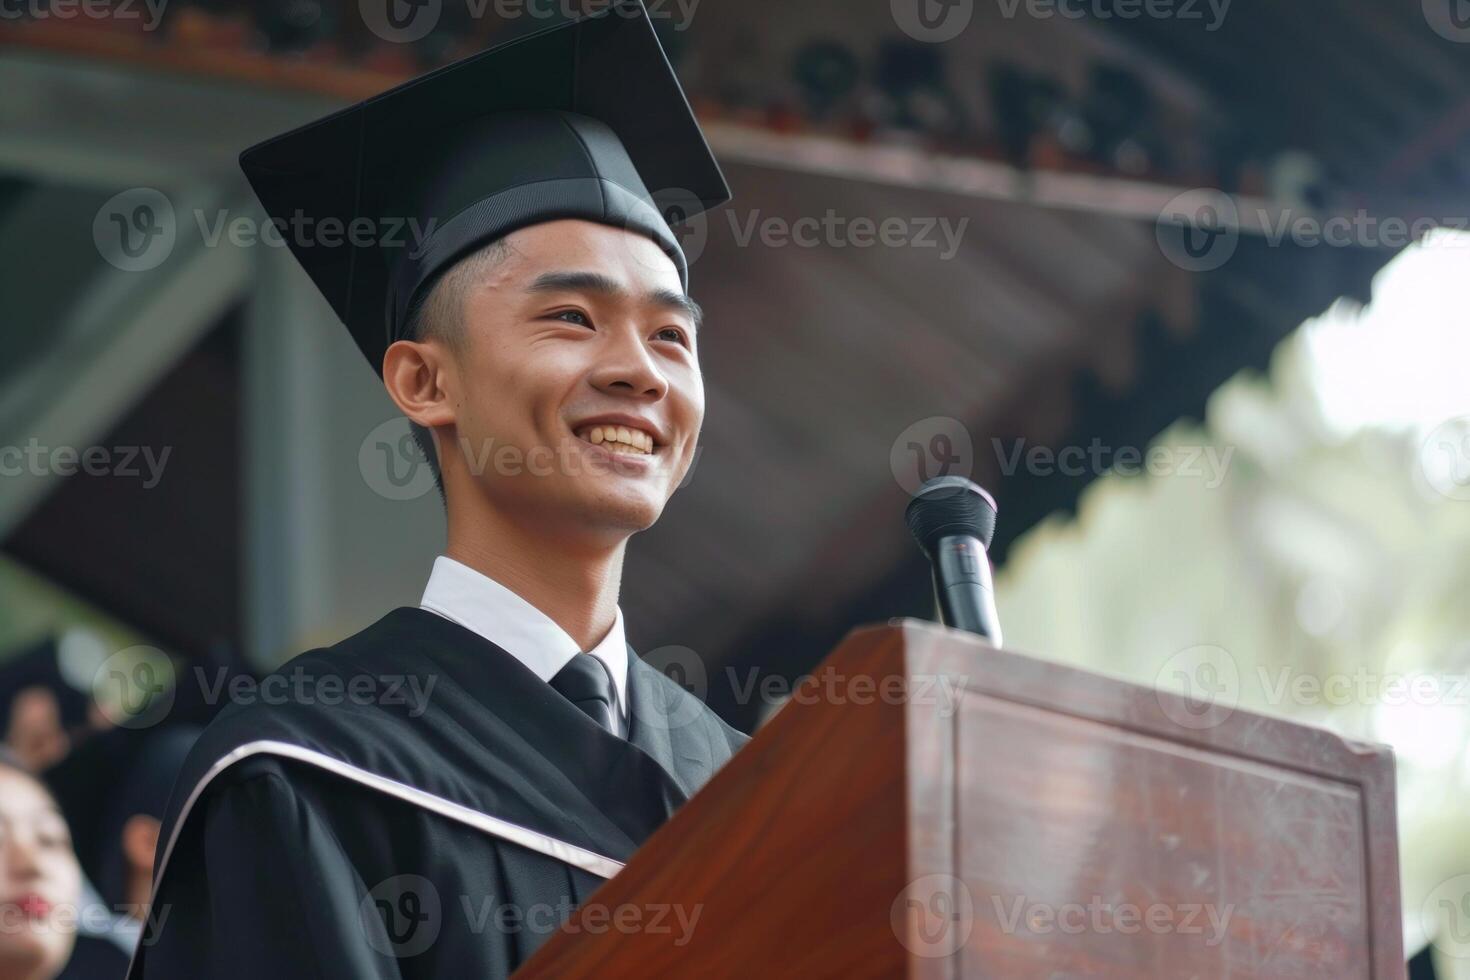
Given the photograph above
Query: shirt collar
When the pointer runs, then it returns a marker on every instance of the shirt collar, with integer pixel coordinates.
(482, 605)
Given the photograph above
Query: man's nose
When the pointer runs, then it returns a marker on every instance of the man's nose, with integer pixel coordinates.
(628, 368)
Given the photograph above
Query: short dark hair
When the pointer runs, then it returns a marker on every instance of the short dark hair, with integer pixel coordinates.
(435, 314)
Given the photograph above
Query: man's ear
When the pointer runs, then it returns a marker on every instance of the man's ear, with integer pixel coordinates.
(419, 376)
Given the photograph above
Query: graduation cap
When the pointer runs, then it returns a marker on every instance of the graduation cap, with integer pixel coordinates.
(581, 118)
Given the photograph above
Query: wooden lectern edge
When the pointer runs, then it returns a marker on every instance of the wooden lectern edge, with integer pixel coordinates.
(1151, 723)
(1308, 749)
(1029, 680)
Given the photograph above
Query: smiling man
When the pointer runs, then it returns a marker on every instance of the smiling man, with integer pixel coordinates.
(541, 338)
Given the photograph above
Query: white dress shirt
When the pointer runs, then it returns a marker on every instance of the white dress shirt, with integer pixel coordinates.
(484, 606)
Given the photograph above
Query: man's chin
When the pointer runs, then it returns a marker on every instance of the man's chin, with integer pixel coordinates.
(627, 517)
(618, 509)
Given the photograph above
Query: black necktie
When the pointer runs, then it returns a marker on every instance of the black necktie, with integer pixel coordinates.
(586, 682)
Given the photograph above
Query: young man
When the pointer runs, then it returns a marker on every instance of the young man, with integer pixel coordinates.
(448, 825)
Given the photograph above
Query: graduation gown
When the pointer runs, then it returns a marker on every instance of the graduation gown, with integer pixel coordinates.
(382, 836)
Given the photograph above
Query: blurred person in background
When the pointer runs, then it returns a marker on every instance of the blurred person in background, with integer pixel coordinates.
(42, 879)
(134, 816)
(35, 734)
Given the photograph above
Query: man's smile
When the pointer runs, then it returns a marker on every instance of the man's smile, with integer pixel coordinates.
(619, 439)
(625, 435)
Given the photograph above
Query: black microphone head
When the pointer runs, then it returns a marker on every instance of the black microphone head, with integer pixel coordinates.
(948, 505)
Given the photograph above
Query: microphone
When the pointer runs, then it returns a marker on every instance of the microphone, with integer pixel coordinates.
(954, 520)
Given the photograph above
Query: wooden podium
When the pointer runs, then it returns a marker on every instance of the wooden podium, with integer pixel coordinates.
(929, 806)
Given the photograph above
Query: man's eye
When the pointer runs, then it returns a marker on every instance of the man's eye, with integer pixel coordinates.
(671, 333)
(573, 316)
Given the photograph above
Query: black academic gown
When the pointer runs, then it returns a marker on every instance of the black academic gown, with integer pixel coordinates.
(353, 840)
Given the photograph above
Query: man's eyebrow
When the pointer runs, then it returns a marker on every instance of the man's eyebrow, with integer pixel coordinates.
(596, 282)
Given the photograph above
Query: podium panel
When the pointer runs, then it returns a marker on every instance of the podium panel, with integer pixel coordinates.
(930, 806)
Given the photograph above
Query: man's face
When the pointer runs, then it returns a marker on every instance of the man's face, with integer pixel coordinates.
(577, 389)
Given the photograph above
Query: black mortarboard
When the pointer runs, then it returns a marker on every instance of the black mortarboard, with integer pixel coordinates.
(583, 118)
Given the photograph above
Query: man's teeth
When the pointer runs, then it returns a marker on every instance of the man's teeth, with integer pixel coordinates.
(619, 439)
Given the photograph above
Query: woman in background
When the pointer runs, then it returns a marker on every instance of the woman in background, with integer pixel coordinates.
(39, 878)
